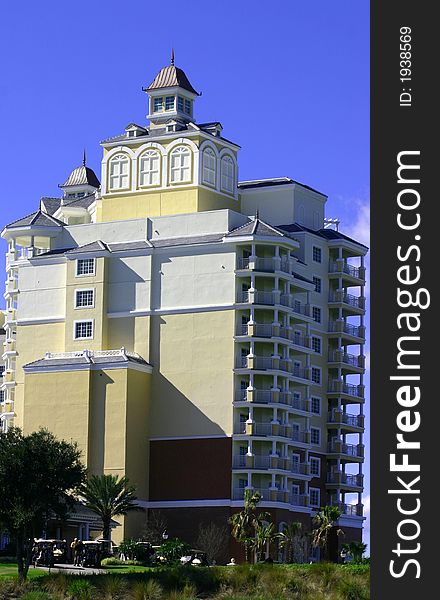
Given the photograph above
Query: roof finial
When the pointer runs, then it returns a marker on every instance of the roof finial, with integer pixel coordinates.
(84, 157)
(257, 215)
(172, 56)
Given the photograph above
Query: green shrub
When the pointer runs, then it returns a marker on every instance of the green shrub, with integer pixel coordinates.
(173, 550)
(80, 589)
(352, 589)
(116, 562)
(146, 590)
(56, 584)
(114, 587)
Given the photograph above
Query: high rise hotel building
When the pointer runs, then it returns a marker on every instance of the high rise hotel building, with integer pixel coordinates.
(199, 334)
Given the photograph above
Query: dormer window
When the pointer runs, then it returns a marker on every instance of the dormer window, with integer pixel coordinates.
(158, 104)
(180, 103)
(169, 103)
(187, 106)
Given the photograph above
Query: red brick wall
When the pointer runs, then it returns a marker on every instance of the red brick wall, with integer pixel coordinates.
(193, 469)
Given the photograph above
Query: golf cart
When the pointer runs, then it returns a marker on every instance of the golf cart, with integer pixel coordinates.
(46, 553)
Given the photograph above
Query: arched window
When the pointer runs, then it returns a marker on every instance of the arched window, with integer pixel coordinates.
(149, 168)
(180, 164)
(119, 172)
(227, 167)
(209, 166)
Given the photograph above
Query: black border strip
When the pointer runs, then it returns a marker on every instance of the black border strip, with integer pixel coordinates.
(401, 124)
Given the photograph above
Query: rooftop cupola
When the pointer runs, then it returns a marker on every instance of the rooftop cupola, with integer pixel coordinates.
(82, 181)
(171, 96)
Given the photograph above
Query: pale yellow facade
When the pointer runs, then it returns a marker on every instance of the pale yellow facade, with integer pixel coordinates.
(166, 306)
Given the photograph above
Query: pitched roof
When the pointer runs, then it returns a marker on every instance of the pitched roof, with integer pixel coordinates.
(37, 219)
(171, 76)
(331, 234)
(49, 205)
(328, 234)
(256, 227)
(82, 175)
(97, 246)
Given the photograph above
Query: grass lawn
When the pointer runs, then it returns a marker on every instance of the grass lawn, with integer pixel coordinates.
(10, 570)
(245, 582)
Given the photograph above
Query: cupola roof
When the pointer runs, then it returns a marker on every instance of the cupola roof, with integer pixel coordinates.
(169, 77)
(82, 175)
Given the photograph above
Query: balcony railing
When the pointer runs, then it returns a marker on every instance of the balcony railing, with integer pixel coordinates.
(349, 299)
(272, 429)
(344, 267)
(336, 416)
(344, 357)
(345, 479)
(266, 462)
(338, 386)
(348, 328)
(352, 510)
(336, 446)
(274, 397)
(269, 330)
(276, 495)
(272, 363)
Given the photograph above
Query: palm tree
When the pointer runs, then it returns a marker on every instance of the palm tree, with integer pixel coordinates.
(108, 496)
(355, 550)
(324, 522)
(264, 534)
(293, 541)
(244, 521)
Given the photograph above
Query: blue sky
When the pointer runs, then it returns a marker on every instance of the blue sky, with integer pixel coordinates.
(289, 80)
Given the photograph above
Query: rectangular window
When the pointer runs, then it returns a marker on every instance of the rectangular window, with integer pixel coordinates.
(315, 466)
(318, 284)
(180, 103)
(83, 330)
(315, 406)
(187, 106)
(84, 298)
(85, 266)
(158, 104)
(315, 497)
(316, 314)
(315, 436)
(316, 375)
(317, 254)
(316, 344)
(295, 489)
(169, 103)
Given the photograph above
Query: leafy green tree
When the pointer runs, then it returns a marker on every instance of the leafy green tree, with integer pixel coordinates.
(39, 475)
(354, 550)
(323, 522)
(108, 496)
(244, 522)
(172, 551)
